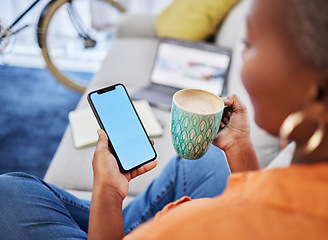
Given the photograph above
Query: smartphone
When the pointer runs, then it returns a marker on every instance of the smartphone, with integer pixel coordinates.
(116, 115)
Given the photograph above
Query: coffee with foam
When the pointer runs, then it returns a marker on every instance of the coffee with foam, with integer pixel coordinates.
(195, 121)
(198, 101)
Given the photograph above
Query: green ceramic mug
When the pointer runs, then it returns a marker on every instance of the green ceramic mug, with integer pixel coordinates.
(195, 121)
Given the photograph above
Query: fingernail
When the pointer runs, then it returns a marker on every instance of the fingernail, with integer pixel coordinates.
(99, 132)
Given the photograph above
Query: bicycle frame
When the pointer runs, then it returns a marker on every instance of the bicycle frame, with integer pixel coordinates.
(6, 32)
(89, 42)
(21, 16)
(42, 30)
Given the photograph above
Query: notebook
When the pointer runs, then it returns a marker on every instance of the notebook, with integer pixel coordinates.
(84, 124)
(181, 64)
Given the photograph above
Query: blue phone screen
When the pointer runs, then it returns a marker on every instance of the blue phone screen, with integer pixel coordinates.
(123, 127)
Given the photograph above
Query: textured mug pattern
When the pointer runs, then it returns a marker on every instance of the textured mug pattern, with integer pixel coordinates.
(192, 134)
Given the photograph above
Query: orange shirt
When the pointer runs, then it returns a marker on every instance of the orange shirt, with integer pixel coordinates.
(289, 203)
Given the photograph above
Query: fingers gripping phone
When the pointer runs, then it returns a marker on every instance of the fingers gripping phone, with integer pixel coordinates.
(127, 136)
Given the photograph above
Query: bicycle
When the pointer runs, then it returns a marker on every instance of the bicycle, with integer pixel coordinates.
(55, 46)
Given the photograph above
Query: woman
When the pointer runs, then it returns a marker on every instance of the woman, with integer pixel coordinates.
(286, 74)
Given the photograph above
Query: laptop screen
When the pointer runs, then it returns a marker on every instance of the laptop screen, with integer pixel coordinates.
(184, 64)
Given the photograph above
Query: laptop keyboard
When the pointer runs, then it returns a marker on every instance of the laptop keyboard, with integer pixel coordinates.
(162, 89)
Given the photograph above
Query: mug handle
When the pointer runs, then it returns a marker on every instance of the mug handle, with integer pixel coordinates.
(225, 111)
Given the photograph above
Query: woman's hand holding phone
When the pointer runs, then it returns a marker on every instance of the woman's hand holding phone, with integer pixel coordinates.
(107, 172)
(110, 187)
(116, 115)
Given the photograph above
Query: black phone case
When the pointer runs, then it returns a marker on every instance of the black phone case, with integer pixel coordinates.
(107, 89)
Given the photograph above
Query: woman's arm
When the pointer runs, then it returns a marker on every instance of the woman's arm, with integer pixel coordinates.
(235, 139)
(106, 220)
(241, 156)
(110, 187)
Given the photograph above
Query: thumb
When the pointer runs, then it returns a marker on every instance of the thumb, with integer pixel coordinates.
(102, 140)
(235, 103)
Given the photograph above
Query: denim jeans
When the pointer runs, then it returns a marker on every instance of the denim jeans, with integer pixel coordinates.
(33, 209)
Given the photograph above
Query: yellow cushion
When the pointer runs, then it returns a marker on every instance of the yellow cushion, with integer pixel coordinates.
(192, 19)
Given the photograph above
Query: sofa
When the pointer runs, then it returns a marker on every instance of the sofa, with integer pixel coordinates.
(129, 61)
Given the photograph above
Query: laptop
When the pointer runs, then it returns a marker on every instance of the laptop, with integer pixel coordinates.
(181, 64)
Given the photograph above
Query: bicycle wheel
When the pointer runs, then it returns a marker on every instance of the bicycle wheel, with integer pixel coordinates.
(66, 38)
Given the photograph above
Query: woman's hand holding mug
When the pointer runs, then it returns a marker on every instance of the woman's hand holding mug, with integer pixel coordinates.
(200, 118)
(236, 124)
